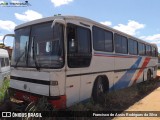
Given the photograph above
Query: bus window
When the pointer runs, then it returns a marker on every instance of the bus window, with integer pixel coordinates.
(98, 39)
(132, 47)
(153, 51)
(2, 62)
(108, 41)
(148, 50)
(102, 40)
(83, 37)
(120, 44)
(79, 46)
(20, 47)
(6, 62)
(124, 45)
(46, 46)
(141, 49)
(72, 42)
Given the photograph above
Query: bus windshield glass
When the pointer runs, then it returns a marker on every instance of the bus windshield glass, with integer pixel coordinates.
(39, 46)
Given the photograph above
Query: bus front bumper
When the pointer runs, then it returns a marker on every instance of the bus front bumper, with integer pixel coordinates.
(58, 102)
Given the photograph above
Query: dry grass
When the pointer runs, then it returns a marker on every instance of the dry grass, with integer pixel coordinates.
(119, 100)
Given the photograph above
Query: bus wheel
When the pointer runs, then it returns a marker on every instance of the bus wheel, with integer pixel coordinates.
(149, 75)
(98, 90)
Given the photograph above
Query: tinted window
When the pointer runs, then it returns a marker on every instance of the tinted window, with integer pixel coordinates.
(102, 40)
(124, 45)
(98, 39)
(141, 49)
(153, 51)
(46, 46)
(20, 47)
(148, 50)
(79, 46)
(6, 62)
(83, 36)
(2, 62)
(132, 47)
(108, 41)
(120, 44)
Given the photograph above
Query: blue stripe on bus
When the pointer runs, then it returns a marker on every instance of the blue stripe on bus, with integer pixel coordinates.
(126, 78)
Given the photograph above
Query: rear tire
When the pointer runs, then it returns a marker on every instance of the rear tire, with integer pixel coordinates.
(149, 75)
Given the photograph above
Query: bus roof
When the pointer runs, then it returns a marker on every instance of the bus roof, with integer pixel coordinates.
(3, 53)
(81, 19)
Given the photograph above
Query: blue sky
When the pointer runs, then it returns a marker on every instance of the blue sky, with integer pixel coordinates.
(139, 18)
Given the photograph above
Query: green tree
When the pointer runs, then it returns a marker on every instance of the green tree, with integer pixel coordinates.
(2, 45)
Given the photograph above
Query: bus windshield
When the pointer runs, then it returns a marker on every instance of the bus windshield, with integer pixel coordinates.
(39, 46)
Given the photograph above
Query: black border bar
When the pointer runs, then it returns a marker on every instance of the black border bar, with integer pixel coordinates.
(44, 82)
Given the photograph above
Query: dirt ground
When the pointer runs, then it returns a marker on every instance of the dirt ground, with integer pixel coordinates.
(149, 103)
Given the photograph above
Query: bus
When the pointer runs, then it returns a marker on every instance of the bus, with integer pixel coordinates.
(4, 66)
(69, 59)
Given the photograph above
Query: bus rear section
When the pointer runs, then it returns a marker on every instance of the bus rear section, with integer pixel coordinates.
(4, 66)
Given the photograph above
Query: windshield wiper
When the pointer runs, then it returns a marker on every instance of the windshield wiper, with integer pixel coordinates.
(23, 53)
(34, 56)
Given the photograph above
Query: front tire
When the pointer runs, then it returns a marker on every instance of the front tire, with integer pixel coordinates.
(98, 90)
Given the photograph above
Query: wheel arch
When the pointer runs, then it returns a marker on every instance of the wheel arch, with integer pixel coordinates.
(105, 81)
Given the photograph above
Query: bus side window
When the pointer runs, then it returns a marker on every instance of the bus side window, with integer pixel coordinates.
(72, 42)
(2, 62)
(6, 61)
(79, 46)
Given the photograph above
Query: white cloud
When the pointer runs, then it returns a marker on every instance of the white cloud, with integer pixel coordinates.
(1, 37)
(153, 39)
(28, 15)
(107, 23)
(7, 25)
(159, 49)
(131, 27)
(58, 3)
(1, 2)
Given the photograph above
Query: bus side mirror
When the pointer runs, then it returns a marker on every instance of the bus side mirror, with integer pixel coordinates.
(60, 21)
(10, 35)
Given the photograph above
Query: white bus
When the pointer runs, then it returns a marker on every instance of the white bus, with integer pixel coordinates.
(4, 66)
(69, 59)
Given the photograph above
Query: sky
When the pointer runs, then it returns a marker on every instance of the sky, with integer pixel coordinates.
(139, 18)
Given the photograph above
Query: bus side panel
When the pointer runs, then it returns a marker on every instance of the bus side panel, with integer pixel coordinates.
(141, 73)
(72, 86)
(121, 80)
(59, 89)
(153, 64)
(138, 77)
(87, 82)
(110, 76)
(125, 69)
(103, 63)
(145, 74)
